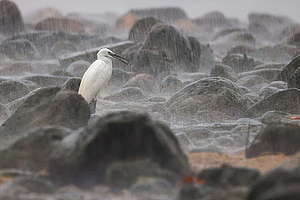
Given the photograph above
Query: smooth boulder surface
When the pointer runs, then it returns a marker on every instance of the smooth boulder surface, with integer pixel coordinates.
(141, 28)
(31, 151)
(46, 106)
(278, 184)
(11, 21)
(208, 94)
(228, 176)
(123, 136)
(285, 100)
(11, 90)
(280, 134)
(175, 45)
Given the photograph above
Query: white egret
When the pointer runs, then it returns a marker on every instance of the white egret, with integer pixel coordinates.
(97, 76)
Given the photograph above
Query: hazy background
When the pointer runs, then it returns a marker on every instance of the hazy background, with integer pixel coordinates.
(194, 8)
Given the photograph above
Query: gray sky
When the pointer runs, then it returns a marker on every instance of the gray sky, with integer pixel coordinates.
(194, 8)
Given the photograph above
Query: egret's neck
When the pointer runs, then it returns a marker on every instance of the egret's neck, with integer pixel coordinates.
(105, 59)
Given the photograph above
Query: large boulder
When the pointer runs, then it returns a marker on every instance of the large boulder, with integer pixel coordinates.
(279, 135)
(290, 73)
(31, 151)
(46, 106)
(228, 176)
(166, 49)
(285, 100)
(11, 21)
(209, 94)
(85, 156)
(11, 90)
(60, 24)
(141, 28)
(278, 184)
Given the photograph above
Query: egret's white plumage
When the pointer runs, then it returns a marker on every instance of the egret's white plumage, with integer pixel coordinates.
(97, 76)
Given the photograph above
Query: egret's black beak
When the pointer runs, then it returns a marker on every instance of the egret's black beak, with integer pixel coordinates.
(122, 59)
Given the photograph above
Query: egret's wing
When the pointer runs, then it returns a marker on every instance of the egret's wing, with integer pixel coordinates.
(94, 79)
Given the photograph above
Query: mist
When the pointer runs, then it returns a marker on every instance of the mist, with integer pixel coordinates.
(231, 8)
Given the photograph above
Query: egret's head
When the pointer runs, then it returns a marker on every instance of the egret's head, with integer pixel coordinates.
(105, 52)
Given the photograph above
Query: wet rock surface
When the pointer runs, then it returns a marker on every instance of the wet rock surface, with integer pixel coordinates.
(85, 151)
(197, 93)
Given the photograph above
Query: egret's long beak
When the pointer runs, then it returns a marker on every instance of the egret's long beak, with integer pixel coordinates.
(122, 59)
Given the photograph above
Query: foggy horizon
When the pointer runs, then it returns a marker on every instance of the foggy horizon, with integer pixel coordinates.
(231, 8)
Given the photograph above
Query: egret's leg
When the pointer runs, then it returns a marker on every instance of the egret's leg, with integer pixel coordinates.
(92, 106)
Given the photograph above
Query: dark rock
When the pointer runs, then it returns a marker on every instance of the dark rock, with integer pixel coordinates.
(170, 84)
(11, 90)
(127, 94)
(47, 106)
(225, 71)
(11, 21)
(78, 68)
(46, 80)
(176, 46)
(285, 100)
(288, 72)
(239, 63)
(279, 135)
(124, 136)
(154, 62)
(19, 49)
(278, 184)
(90, 55)
(72, 84)
(31, 150)
(211, 94)
(141, 28)
(60, 24)
(145, 82)
(227, 176)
